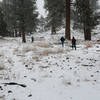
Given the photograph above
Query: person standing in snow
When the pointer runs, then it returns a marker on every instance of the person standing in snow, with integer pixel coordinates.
(32, 39)
(62, 41)
(73, 43)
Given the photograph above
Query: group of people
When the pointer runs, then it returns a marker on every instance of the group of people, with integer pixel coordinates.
(73, 40)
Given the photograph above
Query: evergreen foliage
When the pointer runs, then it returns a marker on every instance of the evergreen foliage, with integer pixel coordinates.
(3, 25)
(20, 14)
(85, 16)
(56, 12)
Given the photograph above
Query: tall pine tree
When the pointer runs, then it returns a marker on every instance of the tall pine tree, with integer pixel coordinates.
(22, 16)
(86, 16)
(67, 29)
(3, 25)
(55, 16)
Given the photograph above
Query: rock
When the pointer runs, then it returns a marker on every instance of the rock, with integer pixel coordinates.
(29, 68)
(70, 68)
(97, 71)
(30, 95)
(97, 46)
(69, 83)
(1, 88)
(98, 50)
(92, 75)
(9, 91)
(50, 71)
(33, 79)
(84, 65)
(81, 59)
(78, 80)
(78, 57)
(44, 66)
(62, 68)
(67, 58)
(26, 65)
(46, 61)
(98, 40)
(87, 65)
(70, 97)
(25, 76)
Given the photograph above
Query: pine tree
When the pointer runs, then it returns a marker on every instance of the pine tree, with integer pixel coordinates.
(67, 31)
(22, 16)
(86, 16)
(26, 16)
(27, 9)
(55, 16)
(3, 25)
(93, 4)
(6, 10)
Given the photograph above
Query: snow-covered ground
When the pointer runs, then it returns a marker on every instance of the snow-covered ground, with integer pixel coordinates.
(44, 70)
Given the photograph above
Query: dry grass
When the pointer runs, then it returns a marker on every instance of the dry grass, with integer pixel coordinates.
(35, 58)
(1, 54)
(2, 68)
(2, 97)
(39, 39)
(88, 45)
(28, 49)
(10, 60)
(67, 83)
(86, 80)
(46, 76)
(42, 45)
(49, 51)
(16, 50)
(40, 53)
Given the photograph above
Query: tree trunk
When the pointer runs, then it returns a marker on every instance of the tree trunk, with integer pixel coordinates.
(23, 23)
(53, 29)
(87, 30)
(23, 37)
(87, 33)
(67, 30)
(19, 33)
(15, 33)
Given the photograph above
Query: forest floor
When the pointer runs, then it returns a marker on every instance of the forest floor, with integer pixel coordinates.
(44, 70)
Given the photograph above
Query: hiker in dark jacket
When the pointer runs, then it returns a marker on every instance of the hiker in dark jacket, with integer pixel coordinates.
(73, 43)
(32, 39)
(62, 41)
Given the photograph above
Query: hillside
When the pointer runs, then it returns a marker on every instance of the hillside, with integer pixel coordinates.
(44, 70)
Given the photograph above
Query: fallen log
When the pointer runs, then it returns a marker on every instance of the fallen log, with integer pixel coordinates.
(13, 83)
